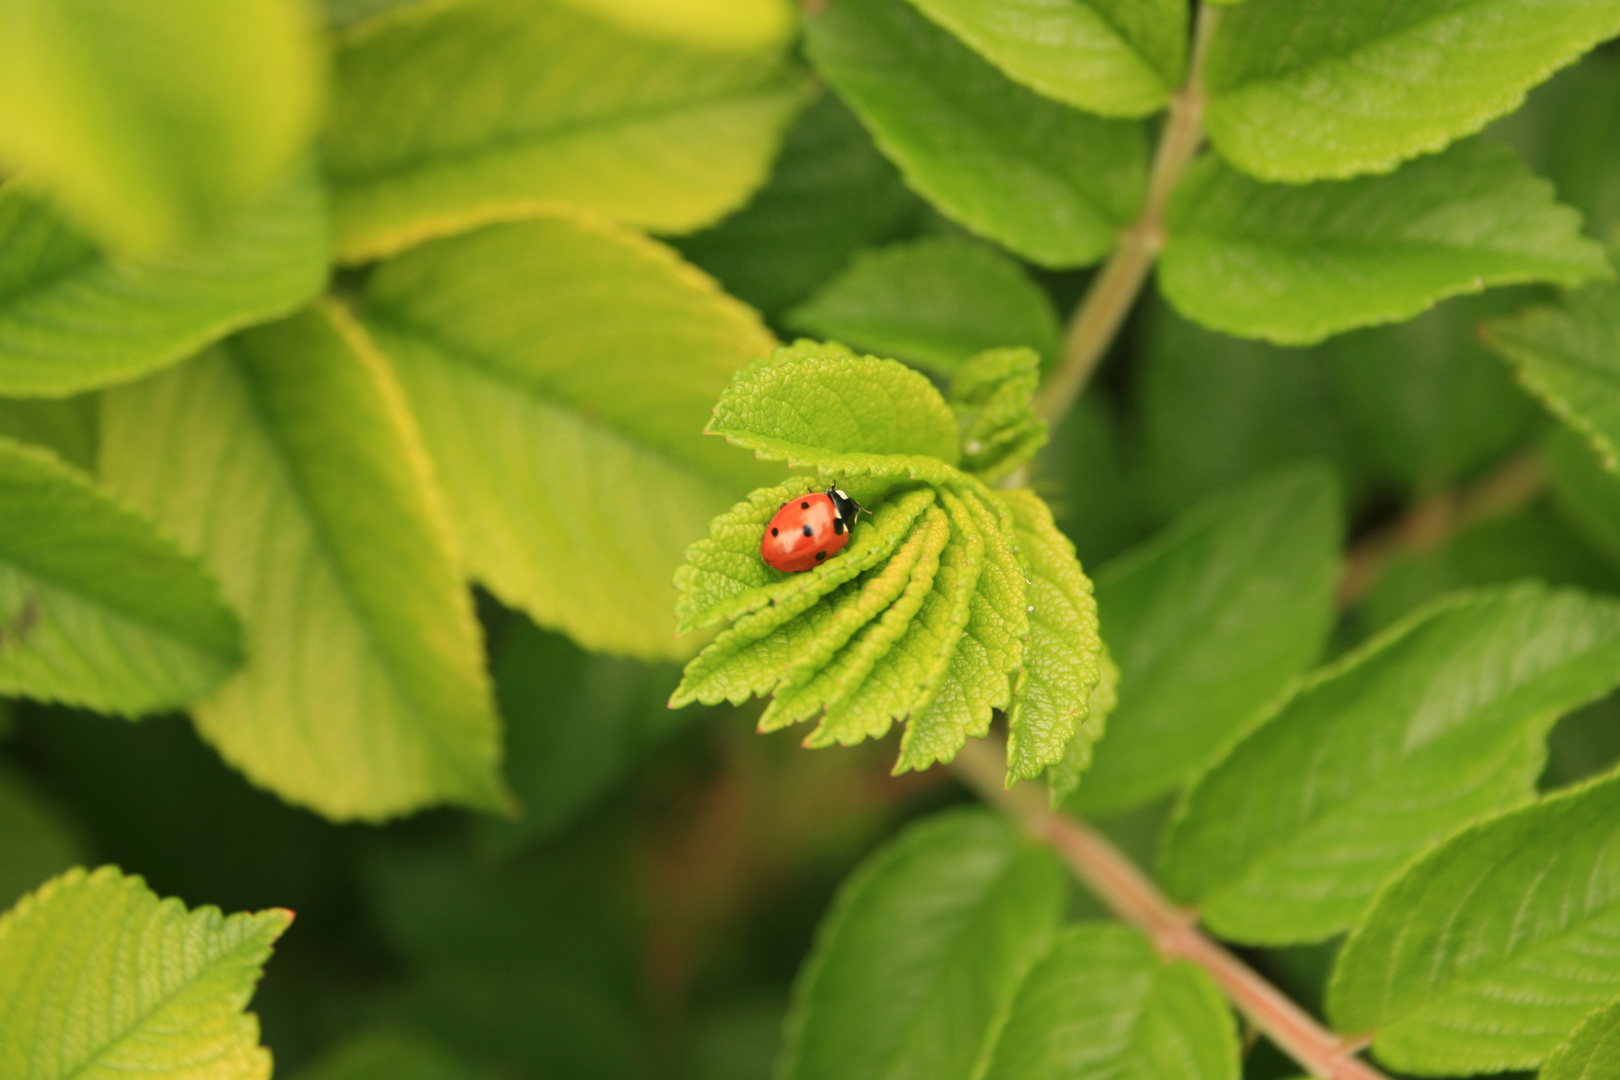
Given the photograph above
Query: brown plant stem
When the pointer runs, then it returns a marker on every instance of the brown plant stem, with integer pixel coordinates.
(1430, 522)
(1129, 894)
(1097, 320)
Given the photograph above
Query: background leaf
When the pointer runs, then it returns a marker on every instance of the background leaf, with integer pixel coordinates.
(1569, 357)
(924, 946)
(288, 462)
(719, 25)
(568, 431)
(1584, 492)
(97, 608)
(1487, 953)
(68, 427)
(1427, 728)
(1312, 89)
(1100, 1005)
(149, 146)
(1049, 183)
(388, 1055)
(72, 318)
(425, 141)
(933, 302)
(35, 843)
(98, 976)
(1208, 622)
(1592, 1053)
(1296, 264)
(1102, 56)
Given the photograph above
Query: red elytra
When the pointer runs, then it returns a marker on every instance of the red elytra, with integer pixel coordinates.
(808, 531)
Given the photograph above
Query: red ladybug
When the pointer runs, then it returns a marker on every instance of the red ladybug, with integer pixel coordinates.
(808, 531)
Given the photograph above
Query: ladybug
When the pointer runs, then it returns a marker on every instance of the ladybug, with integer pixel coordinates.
(809, 530)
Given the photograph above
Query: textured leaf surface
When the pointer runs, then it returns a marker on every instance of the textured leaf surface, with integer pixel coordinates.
(35, 844)
(152, 144)
(101, 979)
(933, 302)
(1064, 775)
(1569, 357)
(991, 395)
(567, 431)
(287, 460)
(830, 194)
(450, 116)
(73, 318)
(1111, 57)
(1592, 1053)
(813, 406)
(1296, 264)
(1208, 622)
(1308, 89)
(923, 947)
(1485, 955)
(1100, 1005)
(1063, 656)
(1043, 180)
(1383, 755)
(96, 607)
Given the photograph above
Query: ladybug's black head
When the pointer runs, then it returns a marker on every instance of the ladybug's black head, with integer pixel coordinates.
(847, 507)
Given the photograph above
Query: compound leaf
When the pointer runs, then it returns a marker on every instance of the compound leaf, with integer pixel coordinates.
(1296, 264)
(72, 318)
(1101, 1005)
(1382, 755)
(1313, 89)
(287, 460)
(568, 432)
(933, 302)
(451, 116)
(1569, 357)
(1049, 183)
(1208, 622)
(1488, 952)
(924, 945)
(100, 978)
(1593, 1052)
(97, 608)
(149, 146)
(1111, 57)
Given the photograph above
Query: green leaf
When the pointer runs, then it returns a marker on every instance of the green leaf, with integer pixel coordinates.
(1429, 403)
(1112, 57)
(1311, 89)
(1064, 775)
(933, 302)
(830, 194)
(1530, 544)
(1216, 411)
(1585, 494)
(97, 608)
(1049, 183)
(923, 948)
(66, 427)
(818, 406)
(1592, 1053)
(1049, 721)
(72, 318)
(717, 25)
(991, 395)
(1100, 1005)
(382, 1054)
(34, 842)
(567, 431)
(1569, 358)
(1294, 265)
(288, 462)
(98, 977)
(575, 723)
(1208, 622)
(561, 110)
(1382, 755)
(1485, 954)
(147, 146)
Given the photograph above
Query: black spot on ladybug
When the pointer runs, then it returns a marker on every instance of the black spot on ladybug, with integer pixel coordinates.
(808, 531)
(820, 555)
(838, 526)
(773, 532)
(804, 506)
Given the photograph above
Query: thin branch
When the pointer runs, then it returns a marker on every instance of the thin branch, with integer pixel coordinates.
(1097, 320)
(1429, 523)
(1129, 894)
